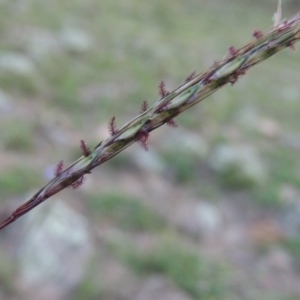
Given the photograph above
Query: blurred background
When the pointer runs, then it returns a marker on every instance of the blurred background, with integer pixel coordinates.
(211, 211)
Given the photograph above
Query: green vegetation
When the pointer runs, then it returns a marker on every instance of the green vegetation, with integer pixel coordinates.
(15, 181)
(293, 246)
(18, 136)
(89, 287)
(201, 278)
(182, 165)
(128, 212)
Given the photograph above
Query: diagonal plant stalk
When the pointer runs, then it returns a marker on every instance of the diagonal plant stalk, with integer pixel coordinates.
(195, 89)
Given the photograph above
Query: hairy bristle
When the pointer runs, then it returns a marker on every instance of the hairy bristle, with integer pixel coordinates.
(112, 127)
(232, 51)
(76, 184)
(59, 168)
(164, 105)
(144, 106)
(172, 123)
(142, 139)
(84, 148)
(257, 34)
(162, 90)
(191, 76)
(236, 76)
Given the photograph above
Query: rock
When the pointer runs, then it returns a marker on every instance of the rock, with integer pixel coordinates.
(290, 220)
(197, 219)
(269, 128)
(279, 260)
(42, 43)
(159, 288)
(55, 249)
(5, 102)
(209, 217)
(16, 63)
(238, 165)
(149, 161)
(187, 142)
(247, 116)
(75, 39)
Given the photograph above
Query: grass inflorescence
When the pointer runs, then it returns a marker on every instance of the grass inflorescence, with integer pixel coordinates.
(170, 104)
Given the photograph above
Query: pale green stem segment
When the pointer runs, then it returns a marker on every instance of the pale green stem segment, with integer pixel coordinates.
(284, 35)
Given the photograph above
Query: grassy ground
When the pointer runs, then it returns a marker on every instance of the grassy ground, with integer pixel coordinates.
(67, 67)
